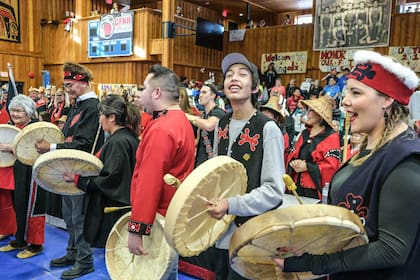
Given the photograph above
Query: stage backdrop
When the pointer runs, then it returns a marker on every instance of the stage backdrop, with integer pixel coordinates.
(351, 23)
(9, 21)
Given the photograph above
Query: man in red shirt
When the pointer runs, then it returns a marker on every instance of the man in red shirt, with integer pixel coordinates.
(167, 146)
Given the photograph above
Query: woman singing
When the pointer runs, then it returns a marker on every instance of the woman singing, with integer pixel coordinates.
(380, 183)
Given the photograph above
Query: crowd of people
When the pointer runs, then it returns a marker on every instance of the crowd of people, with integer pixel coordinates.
(270, 128)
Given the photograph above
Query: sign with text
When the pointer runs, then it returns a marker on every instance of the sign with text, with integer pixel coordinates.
(285, 63)
(408, 56)
(112, 35)
(338, 59)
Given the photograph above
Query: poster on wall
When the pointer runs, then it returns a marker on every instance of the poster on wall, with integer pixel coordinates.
(112, 35)
(285, 62)
(409, 56)
(9, 21)
(337, 58)
(125, 90)
(351, 23)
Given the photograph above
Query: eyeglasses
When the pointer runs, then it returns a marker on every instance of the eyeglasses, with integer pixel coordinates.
(59, 95)
(67, 85)
(20, 111)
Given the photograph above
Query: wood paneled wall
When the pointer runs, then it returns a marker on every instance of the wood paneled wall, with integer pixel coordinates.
(48, 47)
(60, 46)
(404, 32)
(25, 56)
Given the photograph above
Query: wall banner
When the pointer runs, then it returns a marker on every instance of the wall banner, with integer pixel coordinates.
(338, 59)
(408, 56)
(286, 62)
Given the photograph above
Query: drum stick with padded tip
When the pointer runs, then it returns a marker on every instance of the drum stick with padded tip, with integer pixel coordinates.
(115, 208)
(291, 186)
(171, 180)
(96, 139)
(346, 137)
(205, 199)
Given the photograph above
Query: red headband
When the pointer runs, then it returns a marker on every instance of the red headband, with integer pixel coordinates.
(375, 76)
(68, 75)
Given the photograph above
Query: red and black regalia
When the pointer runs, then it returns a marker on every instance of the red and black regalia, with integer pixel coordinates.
(29, 205)
(7, 185)
(322, 156)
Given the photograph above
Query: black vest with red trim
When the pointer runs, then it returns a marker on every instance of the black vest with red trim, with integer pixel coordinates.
(247, 149)
(360, 194)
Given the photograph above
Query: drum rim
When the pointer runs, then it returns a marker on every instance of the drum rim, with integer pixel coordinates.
(8, 159)
(27, 130)
(170, 252)
(175, 224)
(248, 231)
(54, 156)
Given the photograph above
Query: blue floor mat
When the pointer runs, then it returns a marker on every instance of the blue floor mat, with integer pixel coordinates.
(38, 267)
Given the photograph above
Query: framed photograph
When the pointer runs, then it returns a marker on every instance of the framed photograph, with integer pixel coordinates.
(10, 21)
(351, 24)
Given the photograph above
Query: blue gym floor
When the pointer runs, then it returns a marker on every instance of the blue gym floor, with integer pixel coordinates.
(38, 267)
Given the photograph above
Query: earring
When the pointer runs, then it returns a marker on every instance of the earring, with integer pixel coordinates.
(386, 116)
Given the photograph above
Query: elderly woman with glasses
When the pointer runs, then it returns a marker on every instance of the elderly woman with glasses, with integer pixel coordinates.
(28, 198)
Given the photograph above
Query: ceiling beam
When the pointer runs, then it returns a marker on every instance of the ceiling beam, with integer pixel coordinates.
(258, 5)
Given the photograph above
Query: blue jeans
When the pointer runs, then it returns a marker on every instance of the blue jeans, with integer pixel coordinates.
(74, 216)
(174, 270)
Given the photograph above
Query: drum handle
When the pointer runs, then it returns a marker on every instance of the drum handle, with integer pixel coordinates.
(115, 208)
(171, 180)
(96, 139)
(168, 178)
(291, 186)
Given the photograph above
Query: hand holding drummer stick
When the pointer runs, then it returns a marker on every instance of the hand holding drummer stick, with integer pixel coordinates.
(291, 186)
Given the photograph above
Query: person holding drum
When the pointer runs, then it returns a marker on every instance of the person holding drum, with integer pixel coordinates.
(111, 188)
(316, 155)
(80, 132)
(7, 185)
(250, 137)
(381, 183)
(28, 198)
(167, 146)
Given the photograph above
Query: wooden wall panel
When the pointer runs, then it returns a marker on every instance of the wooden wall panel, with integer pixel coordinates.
(56, 10)
(59, 46)
(404, 32)
(25, 56)
(147, 26)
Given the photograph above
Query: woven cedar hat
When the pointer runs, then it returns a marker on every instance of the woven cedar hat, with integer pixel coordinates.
(273, 105)
(323, 106)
